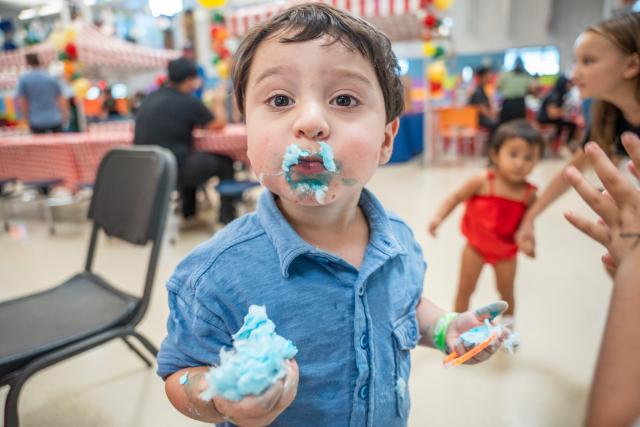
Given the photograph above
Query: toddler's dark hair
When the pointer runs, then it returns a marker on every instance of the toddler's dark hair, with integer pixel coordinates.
(519, 128)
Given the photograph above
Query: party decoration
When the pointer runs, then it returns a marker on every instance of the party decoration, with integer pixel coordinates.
(221, 53)
(211, 3)
(437, 72)
(80, 87)
(442, 4)
(428, 48)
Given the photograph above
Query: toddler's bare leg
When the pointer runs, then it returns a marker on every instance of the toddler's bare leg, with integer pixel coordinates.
(470, 269)
(505, 281)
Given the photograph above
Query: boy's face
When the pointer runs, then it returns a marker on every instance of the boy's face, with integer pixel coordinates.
(315, 119)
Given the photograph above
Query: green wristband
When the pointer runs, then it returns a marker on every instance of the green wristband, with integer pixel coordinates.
(440, 331)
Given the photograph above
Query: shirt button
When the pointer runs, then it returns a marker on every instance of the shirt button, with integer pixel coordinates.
(361, 290)
(364, 340)
(413, 333)
(364, 392)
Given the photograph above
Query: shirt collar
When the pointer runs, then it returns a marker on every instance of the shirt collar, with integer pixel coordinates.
(289, 245)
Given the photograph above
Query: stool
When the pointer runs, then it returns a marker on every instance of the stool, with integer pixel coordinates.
(235, 189)
(43, 188)
(6, 191)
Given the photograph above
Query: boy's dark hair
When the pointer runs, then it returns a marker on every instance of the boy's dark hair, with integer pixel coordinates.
(181, 69)
(311, 21)
(32, 59)
(519, 128)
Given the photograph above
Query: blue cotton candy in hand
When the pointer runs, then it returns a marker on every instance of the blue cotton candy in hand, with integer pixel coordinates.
(256, 362)
(479, 334)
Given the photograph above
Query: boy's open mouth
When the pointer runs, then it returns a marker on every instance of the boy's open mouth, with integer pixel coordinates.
(309, 166)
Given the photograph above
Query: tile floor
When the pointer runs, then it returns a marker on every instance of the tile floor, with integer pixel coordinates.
(562, 296)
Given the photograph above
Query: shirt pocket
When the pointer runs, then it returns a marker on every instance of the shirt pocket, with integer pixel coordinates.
(405, 338)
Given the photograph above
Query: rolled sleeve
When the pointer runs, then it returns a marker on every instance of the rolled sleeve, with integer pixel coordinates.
(192, 338)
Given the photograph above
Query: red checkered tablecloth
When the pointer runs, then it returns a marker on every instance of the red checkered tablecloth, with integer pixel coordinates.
(75, 157)
(230, 141)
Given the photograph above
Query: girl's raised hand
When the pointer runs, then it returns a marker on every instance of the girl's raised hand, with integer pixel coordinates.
(619, 208)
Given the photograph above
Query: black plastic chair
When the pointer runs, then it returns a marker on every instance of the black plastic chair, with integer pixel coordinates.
(130, 201)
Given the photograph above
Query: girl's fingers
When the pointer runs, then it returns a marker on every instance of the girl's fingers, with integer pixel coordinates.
(620, 189)
(631, 143)
(599, 233)
(633, 169)
(602, 205)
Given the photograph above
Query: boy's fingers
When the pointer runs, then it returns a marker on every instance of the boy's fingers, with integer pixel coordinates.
(597, 232)
(619, 188)
(251, 406)
(602, 205)
(491, 311)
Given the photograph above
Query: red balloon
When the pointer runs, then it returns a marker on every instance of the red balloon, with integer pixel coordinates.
(71, 51)
(425, 3)
(430, 21)
(435, 87)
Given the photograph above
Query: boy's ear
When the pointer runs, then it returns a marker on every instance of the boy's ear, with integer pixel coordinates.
(390, 132)
(633, 67)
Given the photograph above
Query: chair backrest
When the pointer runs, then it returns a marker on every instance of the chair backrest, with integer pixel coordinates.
(131, 201)
(131, 193)
(462, 117)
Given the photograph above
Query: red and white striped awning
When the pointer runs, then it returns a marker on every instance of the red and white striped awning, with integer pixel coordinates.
(396, 18)
(94, 50)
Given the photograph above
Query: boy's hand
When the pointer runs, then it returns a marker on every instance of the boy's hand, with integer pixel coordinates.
(256, 411)
(470, 319)
(433, 226)
(525, 239)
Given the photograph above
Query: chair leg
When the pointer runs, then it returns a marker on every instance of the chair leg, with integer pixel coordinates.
(48, 216)
(145, 342)
(11, 402)
(136, 351)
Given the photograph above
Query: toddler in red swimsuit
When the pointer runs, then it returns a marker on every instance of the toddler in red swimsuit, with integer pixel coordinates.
(496, 201)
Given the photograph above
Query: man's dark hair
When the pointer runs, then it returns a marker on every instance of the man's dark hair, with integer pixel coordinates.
(181, 69)
(312, 21)
(482, 71)
(32, 59)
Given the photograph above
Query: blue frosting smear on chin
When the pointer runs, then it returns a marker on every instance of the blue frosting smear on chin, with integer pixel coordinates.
(256, 362)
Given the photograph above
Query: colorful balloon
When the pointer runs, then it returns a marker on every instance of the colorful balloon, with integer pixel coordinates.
(442, 4)
(211, 3)
(428, 49)
(80, 87)
(437, 72)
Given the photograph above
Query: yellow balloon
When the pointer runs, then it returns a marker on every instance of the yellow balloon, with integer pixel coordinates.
(442, 4)
(80, 87)
(437, 72)
(212, 3)
(70, 35)
(428, 49)
(223, 70)
(57, 40)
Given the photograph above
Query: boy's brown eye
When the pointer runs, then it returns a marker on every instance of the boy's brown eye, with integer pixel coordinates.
(280, 101)
(345, 101)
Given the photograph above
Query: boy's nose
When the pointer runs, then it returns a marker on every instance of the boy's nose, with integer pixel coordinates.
(311, 124)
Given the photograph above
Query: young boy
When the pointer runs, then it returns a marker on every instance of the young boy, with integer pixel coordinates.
(339, 276)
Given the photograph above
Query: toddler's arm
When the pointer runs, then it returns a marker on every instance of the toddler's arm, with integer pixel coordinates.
(471, 187)
(183, 389)
(434, 321)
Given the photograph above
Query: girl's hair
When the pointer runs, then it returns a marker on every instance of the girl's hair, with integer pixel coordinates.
(624, 32)
(519, 128)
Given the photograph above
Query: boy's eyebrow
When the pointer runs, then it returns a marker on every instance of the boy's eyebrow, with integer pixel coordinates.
(272, 71)
(339, 72)
(346, 73)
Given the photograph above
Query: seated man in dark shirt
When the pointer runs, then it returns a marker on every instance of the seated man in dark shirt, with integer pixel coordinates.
(488, 116)
(552, 109)
(167, 118)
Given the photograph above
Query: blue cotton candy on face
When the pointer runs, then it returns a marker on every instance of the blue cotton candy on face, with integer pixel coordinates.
(256, 362)
(316, 185)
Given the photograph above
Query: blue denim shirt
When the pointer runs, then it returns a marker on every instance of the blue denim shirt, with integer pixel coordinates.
(353, 328)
